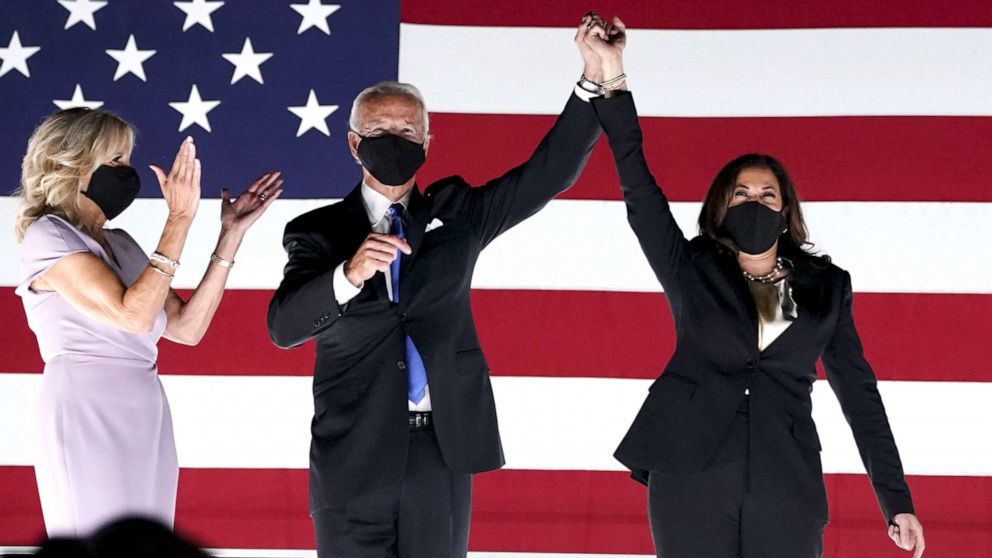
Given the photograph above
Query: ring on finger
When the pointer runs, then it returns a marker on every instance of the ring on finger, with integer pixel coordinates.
(262, 197)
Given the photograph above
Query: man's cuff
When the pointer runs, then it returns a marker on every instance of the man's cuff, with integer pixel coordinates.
(586, 96)
(343, 289)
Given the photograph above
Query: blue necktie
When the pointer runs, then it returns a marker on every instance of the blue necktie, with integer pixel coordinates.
(416, 373)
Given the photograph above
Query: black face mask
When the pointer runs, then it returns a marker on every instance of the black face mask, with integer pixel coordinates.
(113, 189)
(391, 159)
(753, 226)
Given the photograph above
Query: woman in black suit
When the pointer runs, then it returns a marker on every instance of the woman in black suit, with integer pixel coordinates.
(725, 440)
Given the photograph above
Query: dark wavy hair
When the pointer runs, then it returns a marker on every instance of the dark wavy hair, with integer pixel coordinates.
(793, 242)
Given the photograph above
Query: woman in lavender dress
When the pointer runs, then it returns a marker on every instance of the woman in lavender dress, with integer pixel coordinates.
(98, 305)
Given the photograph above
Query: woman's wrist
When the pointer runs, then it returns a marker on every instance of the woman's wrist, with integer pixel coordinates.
(612, 66)
(593, 73)
(179, 221)
(228, 243)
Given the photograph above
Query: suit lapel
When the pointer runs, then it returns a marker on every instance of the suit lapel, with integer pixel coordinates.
(727, 268)
(419, 212)
(747, 301)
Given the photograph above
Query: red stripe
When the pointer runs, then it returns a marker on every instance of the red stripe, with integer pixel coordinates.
(579, 333)
(631, 335)
(527, 511)
(831, 159)
(611, 334)
(714, 14)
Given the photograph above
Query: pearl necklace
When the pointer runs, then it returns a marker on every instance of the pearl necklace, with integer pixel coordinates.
(768, 278)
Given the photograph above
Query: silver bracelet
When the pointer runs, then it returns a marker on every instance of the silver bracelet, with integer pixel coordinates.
(162, 271)
(615, 83)
(221, 261)
(162, 258)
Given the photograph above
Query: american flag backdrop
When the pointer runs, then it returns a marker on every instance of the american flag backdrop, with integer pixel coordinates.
(882, 110)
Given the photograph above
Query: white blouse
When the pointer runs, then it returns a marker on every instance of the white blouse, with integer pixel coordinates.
(772, 321)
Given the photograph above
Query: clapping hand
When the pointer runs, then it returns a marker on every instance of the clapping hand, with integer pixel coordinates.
(181, 187)
(240, 213)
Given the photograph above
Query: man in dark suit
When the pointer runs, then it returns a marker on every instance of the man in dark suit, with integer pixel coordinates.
(404, 409)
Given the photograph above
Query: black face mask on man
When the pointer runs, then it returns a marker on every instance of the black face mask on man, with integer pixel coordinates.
(113, 189)
(391, 159)
(753, 226)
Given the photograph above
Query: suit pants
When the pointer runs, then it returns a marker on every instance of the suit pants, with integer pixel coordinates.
(713, 513)
(425, 515)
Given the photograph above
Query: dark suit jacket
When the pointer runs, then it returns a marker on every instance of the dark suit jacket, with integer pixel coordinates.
(689, 408)
(360, 383)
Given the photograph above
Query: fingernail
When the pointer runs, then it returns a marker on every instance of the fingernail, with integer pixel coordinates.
(189, 139)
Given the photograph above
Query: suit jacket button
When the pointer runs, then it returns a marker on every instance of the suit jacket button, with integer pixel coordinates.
(403, 317)
(749, 362)
(316, 323)
(401, 365)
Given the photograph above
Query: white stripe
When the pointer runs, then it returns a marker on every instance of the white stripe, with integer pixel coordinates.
(889, 247)
(546, 423)
(794, 72)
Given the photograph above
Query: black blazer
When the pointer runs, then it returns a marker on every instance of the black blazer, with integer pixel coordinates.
(690, 406)
(360, 383)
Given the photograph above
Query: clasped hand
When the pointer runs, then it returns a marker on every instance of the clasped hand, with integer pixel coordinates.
(601, 45)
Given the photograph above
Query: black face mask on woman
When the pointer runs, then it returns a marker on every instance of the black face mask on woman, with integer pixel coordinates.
(753, 226)
(392, 160)
(113, 189)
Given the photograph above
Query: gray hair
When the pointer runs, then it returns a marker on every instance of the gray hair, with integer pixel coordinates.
(385, 89)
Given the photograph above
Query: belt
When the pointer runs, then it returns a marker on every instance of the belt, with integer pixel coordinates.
(420, 420)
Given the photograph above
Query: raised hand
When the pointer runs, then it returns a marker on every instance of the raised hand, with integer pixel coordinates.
(240, 213)
(593, 62)
(608, 41)
(181, 187)
(375, 254)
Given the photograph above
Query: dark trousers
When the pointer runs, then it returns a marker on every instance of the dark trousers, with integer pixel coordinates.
(426, 515)
(714, 513)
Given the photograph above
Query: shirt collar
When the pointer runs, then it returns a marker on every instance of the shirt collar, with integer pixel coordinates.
(376, 204)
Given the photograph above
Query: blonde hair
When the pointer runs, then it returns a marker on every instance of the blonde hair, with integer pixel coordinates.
(64, 149)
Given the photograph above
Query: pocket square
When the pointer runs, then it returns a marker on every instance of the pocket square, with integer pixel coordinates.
(434, 224)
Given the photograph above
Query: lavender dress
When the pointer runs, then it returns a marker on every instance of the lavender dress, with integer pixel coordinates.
(106, 443)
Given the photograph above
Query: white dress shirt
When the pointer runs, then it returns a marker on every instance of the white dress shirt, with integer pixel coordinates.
(376, 206)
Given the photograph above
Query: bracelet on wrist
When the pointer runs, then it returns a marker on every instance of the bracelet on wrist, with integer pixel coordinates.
(162, 258)
(214, 258)
(160, 270)
(590, 86)
(615, 83)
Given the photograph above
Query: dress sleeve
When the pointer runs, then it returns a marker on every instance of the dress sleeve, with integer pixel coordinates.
(47, 240)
